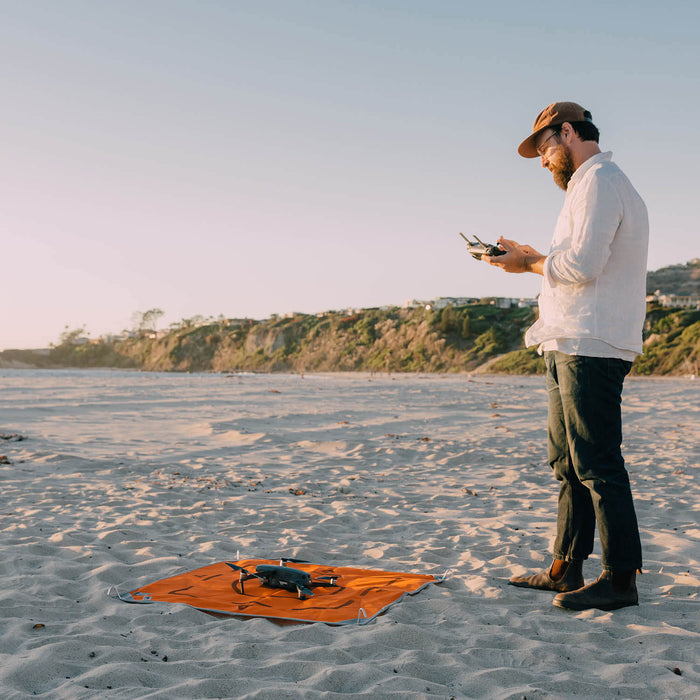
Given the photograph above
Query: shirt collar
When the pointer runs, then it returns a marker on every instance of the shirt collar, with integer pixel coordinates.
(586, 165)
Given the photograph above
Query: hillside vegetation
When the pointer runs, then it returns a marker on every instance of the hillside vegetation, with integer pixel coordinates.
(393, 340)
(671, 342)
(460, 339)
(454, 339)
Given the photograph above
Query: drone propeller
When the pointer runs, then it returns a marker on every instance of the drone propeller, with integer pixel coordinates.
(235, 567)
(245, 575)
(244, 572)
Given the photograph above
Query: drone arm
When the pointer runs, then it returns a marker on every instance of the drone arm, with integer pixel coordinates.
(303, 592)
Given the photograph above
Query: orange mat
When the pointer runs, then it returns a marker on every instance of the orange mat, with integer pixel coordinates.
(358, 596)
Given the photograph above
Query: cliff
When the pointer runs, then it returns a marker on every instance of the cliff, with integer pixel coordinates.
(454, 339)
(392, 340)
(459, 339)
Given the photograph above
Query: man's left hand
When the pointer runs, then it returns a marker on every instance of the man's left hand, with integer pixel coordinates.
(518, 258)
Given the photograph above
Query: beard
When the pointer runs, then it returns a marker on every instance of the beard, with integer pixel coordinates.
(563, 167)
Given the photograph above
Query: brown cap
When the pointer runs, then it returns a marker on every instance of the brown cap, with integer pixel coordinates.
(557, 113)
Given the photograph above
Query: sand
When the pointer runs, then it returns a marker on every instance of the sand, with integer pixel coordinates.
(127, 477)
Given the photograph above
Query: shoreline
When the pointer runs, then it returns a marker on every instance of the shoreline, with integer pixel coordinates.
(481, 370)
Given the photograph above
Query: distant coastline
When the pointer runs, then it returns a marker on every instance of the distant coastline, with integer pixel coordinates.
(479, 337)
(442, 335)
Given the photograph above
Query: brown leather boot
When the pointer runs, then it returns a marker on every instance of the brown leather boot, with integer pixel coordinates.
(601, 594)
(571, 580)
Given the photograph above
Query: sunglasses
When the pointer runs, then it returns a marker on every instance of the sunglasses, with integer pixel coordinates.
(542, 148)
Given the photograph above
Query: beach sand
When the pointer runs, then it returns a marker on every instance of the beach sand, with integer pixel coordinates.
(128, 477)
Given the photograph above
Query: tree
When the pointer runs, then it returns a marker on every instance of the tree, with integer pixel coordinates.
(69, 337)
(146, 320)
(466, 326)
(447, 319)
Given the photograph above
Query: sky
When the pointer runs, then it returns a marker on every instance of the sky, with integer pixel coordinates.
(246, 158)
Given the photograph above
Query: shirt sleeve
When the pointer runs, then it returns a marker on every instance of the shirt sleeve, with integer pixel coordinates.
(596, 214)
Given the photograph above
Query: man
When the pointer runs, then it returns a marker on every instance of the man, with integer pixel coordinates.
(592, 308)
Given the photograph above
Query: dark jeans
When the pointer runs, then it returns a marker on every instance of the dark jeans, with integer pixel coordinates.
(585, 434)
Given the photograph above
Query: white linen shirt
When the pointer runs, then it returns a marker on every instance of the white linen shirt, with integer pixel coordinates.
(594, 277)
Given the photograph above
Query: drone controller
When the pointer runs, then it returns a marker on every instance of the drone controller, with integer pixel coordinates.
(480, 248)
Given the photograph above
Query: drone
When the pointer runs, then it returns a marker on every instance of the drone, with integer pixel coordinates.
(284, 577)
(480, 248)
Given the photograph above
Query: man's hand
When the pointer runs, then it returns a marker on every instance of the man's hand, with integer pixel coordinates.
(518, 258)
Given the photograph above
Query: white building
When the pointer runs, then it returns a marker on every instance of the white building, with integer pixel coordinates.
(675, 301)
